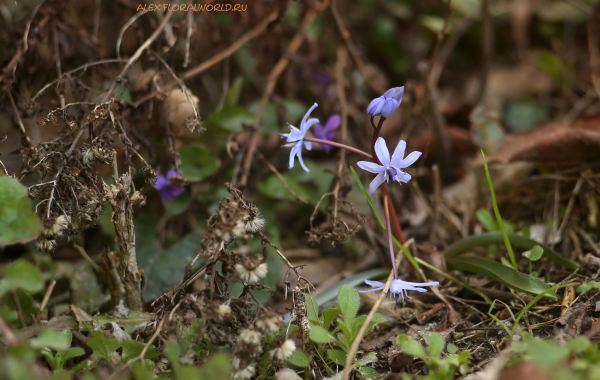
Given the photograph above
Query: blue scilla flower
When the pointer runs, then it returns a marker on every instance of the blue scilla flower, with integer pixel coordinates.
(168, 191)
(389, 168)
(386, 104)
(296, 138)
(399, 287)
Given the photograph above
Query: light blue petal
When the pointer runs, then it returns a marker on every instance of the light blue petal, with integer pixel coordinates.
(398, 153)
(302, 161)
(370, 290)
(395, 93)
(307, 114)
(370, 167)
(382, 152)
(305, 126)
(402, 176)
(293, 153)
(375, 283)
(308, 145)
(409, 160)
(377, 182)
(374, 108)
(389, 107)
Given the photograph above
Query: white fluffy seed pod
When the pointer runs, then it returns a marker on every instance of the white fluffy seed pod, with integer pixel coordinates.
(250, 336)
(284, 351)
(269, 324)
(252, 275)
(245, 373)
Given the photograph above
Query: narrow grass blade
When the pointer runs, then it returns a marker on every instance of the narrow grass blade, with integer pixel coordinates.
(497, 213)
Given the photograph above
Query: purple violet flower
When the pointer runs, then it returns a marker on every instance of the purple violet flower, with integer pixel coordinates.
(296, 138)
(168, 191)
(390, 168)
(399, 287)
(327, 132)
(386, 104)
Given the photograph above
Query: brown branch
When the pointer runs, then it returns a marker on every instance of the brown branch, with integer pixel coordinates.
(274, 170)
(353, 51)
(139, 51)
(217, 58)
(293, 47)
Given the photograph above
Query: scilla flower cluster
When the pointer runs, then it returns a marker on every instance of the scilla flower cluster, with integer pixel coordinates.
(380, 163)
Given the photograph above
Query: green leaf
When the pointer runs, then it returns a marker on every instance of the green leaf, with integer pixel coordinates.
(587, 286)
(349, 301)
(233, 95)
(21, 275)
(466, 245)
(358, 322)
(269, 123)
(367, 372)
(487, 220)
(230, 119)
(312, 309)
(534, 253)
(54, 339)
(435, 344)
(62, 356)
(525, 115)
(550, 63)
(102, 346)
(298, 358)
(515, 280)
(451, 348)
(295, 110)
(320, 335)
(163, 266)
(85, 291)
(197, 163)
(133, 349)
(337, 356)
(18, 223)
(329, 315)
(410, 346)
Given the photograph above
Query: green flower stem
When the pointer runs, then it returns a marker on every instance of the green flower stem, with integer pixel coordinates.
(497, 213)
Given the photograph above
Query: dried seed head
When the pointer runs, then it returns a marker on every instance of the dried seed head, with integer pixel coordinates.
(254, 222)
(251, 269)
(249, 336)
(284, 351)
(46, 245)
(150, 174)
(268, 322)
(57, 226)
(223, 311)
(245, 373)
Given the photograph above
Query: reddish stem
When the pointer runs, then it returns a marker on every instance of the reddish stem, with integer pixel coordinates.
(338, 145)
(386, 208)
(384, 188)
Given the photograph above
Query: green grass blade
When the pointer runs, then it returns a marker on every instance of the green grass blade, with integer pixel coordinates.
(520, 242)
(497, 213)
(513, 279)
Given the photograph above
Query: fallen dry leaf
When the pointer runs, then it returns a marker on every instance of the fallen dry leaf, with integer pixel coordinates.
(553, 143)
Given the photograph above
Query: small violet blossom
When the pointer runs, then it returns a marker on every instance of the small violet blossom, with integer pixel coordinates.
(296, 138)
(389, 168)
(386, 104)
(399, 287)
(168, 191)
(327, 132)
